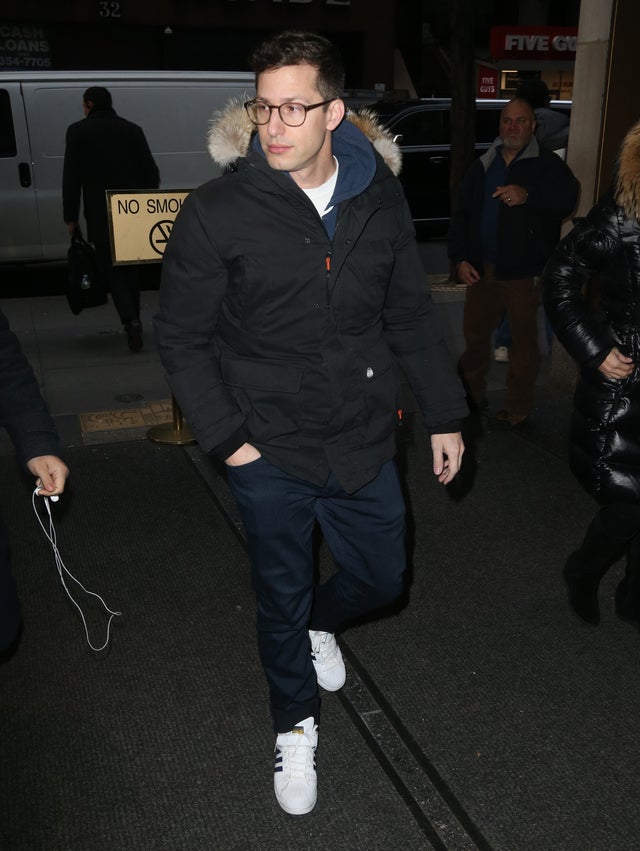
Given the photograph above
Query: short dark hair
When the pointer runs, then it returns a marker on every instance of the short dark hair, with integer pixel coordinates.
(302, 48)
(535, 92)
(523, 102)
(98, 96)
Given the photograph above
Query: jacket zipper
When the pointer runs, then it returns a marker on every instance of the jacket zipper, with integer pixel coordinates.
(327, 266)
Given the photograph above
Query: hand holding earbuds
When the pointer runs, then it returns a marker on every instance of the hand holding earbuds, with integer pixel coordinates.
(51, 471)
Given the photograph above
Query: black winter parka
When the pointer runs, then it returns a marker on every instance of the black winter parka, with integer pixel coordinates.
(605, 425)
(269, 329)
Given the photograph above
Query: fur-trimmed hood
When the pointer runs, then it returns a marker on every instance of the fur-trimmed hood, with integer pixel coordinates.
(230, 133)
(627, 182)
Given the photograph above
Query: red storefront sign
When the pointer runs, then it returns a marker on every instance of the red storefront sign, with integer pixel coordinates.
(486, 81)
(518, 42)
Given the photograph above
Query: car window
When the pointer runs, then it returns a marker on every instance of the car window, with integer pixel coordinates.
(427, 127)
(487, 123)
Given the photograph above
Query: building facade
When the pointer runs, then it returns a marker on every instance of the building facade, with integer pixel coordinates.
(191, 34)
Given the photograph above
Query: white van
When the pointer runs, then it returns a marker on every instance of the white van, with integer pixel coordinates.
(172, 107)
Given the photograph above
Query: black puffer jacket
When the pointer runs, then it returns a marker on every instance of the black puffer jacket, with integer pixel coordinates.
(605, 427)
(270, 328)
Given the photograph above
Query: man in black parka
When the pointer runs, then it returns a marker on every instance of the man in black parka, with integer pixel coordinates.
(288, 286)
(105, 151)
(24, 414)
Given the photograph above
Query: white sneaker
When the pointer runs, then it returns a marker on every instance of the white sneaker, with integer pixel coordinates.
(294, 778)
(501, 354)
(327, 660)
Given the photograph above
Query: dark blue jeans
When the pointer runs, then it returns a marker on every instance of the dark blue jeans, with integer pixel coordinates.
(9, 605)
(366, 534)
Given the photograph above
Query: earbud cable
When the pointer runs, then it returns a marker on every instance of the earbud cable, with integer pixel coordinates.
(50, 534)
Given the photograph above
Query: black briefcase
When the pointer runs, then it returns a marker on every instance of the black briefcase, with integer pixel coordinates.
(84, 285)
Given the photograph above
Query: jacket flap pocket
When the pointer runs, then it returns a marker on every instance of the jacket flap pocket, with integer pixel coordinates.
(258, 375)
(376, 361)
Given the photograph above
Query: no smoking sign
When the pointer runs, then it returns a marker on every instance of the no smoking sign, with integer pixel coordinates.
(141, 222)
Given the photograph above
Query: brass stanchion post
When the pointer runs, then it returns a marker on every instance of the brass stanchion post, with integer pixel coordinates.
(175, 432)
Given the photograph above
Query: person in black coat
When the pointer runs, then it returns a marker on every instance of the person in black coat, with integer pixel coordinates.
(105, 151)
(505, 225)
(24, 414)
(288, 286)
(605, 424)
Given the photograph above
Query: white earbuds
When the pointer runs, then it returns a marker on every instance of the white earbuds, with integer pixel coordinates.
(52, 498)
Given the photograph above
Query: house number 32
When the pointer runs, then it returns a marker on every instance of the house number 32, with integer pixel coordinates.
(108, 9)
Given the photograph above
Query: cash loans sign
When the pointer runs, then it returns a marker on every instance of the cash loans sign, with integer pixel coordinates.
(24, 46)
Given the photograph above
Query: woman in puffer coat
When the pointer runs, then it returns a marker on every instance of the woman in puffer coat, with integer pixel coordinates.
(605, 424)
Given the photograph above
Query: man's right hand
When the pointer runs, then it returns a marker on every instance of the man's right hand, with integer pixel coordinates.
(245, 455)
(51, 474)
(467, 274)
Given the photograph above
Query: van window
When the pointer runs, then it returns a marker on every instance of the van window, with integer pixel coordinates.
(425, 127)
(7, 132)
(57, 108)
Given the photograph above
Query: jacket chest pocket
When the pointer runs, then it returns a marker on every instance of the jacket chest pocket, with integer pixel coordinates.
(247, 294)
(264, 297)
(369, 266)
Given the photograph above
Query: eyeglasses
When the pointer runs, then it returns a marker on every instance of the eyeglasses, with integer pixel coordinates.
(291, 113)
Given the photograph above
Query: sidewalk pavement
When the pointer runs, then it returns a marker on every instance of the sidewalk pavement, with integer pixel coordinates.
(96, 389)
(479, 714)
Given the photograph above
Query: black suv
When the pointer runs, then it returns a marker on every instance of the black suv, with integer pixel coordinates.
(422, 130)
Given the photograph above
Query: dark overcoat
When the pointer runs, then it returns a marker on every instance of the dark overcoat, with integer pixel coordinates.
(103, 151)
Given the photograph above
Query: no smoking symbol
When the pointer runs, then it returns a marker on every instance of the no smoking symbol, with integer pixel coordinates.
(159, 235)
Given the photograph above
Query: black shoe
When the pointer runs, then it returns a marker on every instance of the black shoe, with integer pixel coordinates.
(134, 334)
(583, 592)
(504, 421)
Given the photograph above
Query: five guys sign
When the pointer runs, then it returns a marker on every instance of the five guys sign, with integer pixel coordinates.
(556, 43)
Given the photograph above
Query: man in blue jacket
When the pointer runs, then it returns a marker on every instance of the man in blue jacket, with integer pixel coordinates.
(506, 224)
(289, 285)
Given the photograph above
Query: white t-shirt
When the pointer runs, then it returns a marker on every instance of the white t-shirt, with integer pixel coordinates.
(321, 195)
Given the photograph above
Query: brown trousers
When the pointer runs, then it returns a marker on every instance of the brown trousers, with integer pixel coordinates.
(484, 305)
